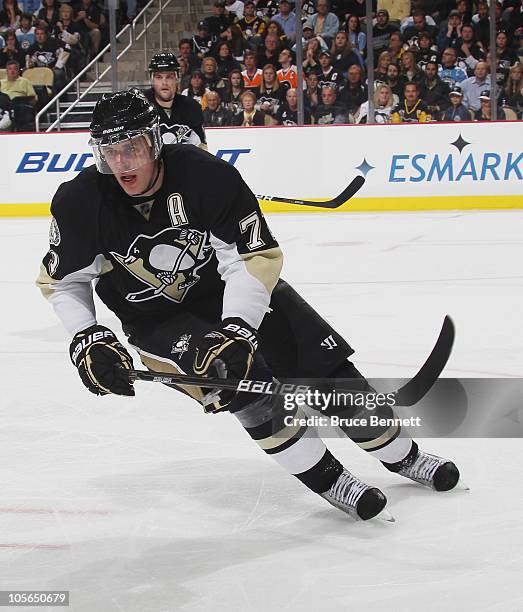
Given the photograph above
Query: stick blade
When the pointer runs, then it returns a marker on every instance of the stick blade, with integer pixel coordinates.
(422, 382)
(352, 189)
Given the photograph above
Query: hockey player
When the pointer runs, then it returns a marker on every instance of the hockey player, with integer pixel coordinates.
(183, 256)
(181, 118)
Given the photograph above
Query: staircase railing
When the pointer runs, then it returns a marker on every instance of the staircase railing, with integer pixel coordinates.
(135, 33)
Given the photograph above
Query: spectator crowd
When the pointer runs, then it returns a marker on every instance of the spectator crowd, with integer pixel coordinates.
(431, 62)
(431, 59)
(58, 36)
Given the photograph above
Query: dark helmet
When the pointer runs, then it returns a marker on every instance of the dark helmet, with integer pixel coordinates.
(122, 112)
(124, 115)
(164, 62)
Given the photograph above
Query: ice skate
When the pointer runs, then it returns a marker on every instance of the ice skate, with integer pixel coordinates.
(430, 470)
(356, 498)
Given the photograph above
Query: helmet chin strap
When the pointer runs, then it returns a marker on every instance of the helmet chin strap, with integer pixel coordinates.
(151, 182)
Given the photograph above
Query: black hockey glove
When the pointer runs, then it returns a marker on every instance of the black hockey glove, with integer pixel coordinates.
(227, 353)
(101, 361)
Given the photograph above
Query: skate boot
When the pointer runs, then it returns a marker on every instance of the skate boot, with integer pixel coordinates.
(429, 470)
(356, 498)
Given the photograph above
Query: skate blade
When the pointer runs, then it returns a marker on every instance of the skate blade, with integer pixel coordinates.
(462, 485)
(386, 516)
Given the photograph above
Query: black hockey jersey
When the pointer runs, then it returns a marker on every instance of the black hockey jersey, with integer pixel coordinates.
(205, 246)
(184, 124)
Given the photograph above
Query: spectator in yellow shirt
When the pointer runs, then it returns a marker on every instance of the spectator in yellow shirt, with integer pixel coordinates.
(16, 86)
(412, 109)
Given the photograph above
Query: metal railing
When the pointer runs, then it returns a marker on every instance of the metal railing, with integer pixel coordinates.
(135, 34)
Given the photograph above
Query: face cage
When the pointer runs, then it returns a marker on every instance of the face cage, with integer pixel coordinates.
(134, 158)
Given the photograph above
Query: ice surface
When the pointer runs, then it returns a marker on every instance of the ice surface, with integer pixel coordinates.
(148, 505)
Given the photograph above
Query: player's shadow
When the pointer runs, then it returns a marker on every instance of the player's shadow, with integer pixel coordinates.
(239, 515)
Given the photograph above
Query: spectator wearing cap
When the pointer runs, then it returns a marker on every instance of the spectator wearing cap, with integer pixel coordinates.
(434, 91)
(484, 112)
(343, 53)
(215, 115)
(269, 52)
(251, 25)
(6, 113)
(328, 75)
(473, 86)
(384, 103)
(203, 42)
(287, 20)
(288, 112)
(354, 94)
(252, 75)
(234, 8)
(323, 22)
(308, 34)
(449, 71)
(288, 73)
(450, 31)
(249, 116)
(426, 52)
(412, 109)
(330, 111)
(382, 30)
(218, 22)
(457, 111)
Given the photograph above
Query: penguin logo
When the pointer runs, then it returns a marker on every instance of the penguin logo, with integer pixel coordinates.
(166, 262)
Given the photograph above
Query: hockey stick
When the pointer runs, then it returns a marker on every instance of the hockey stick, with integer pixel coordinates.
(407, 395)
(355, 185)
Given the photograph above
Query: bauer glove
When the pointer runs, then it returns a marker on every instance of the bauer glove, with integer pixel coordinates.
(228, 353)
(101, 361)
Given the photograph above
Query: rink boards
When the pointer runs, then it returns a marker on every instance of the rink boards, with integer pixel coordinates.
(406, 167)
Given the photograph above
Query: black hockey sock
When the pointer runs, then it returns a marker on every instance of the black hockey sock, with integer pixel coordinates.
(405, 462)
(385, 442)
